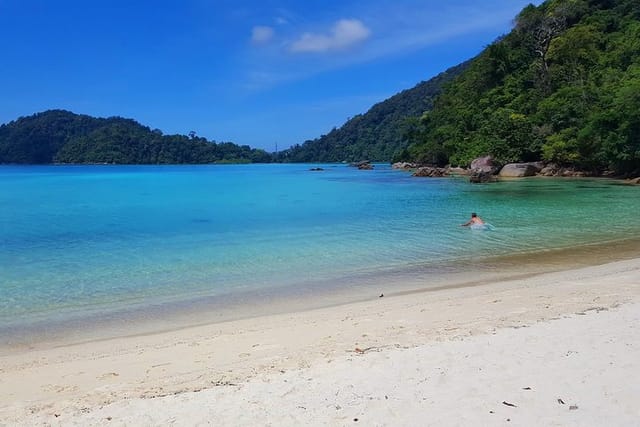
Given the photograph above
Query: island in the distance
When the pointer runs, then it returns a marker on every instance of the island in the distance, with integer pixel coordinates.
(563, 87)
(58, 136)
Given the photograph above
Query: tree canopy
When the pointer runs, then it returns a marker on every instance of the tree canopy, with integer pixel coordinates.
(58, 136)
(377, 134)
(563, 86)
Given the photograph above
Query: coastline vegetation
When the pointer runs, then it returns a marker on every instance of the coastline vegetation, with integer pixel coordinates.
(378, 134)
(59, 136)
(563, 87)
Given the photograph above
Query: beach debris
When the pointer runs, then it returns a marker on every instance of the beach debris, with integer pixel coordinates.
(491, 412)
(109, 418)
(573, 407)
(526, 388)
(381, 295)
(355, 419)
(364, 350)
(504, 402)
(222, 383)
(560, 401)
(56, 415)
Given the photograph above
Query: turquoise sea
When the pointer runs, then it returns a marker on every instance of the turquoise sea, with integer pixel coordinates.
(82, 245)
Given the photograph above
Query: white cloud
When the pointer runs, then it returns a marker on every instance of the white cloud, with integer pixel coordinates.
(345, 33)
(261, 34)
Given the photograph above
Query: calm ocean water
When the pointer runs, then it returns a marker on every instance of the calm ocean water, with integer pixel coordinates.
(85, 240)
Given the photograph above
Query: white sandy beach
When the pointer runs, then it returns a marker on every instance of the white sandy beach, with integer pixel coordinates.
(559, 348)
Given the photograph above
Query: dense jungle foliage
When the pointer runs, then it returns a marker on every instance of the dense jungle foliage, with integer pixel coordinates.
(563, 86)
(379, 133)
(58, 136)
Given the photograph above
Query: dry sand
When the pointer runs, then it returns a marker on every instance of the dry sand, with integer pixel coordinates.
(560, 348)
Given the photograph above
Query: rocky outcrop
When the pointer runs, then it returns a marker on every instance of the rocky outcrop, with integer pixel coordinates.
(404, 166)
(363, 165)
(484, 164)
(518, 170)
(552, 169)
(483, 170)
(431, 172)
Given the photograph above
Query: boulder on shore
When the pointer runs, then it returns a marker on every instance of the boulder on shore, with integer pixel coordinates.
(550, 169)
(431, 172)
(363, 165)
(484, 164)
(404, 165)
(483, 170)
(518, 170)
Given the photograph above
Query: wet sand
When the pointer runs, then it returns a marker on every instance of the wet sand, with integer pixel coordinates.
(555, 348)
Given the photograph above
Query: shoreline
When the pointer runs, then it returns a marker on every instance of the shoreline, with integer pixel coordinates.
(71, 384)
(172, 316)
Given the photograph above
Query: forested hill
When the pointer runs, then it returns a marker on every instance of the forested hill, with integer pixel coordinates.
(59, 136)
(563, 86)
(377, 134)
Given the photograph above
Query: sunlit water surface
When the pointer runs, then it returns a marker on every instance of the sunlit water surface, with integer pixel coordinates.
(80, 242)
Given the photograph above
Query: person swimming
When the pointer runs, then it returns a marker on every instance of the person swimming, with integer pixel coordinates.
(475, 220)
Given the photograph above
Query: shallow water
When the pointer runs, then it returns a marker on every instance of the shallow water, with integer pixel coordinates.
(83, 242)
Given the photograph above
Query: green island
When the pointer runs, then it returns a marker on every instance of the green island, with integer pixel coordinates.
(563, 86)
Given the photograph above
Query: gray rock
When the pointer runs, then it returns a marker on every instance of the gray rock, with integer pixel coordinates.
(537, 165)
(549, 170)
(404, 165)
(570, 172)
(431, 172)
(363, 165)
(517, 170)
(482, 170)
(484, 164)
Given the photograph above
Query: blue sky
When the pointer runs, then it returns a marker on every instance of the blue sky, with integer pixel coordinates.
(250, 72)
